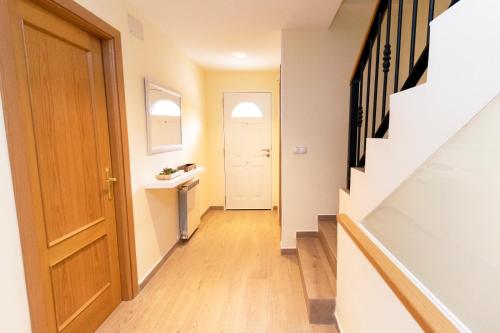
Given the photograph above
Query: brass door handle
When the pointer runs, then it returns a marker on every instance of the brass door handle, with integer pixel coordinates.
(110, 180)
(266, 150)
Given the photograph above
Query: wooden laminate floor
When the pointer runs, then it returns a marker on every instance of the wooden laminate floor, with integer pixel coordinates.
(230, 277)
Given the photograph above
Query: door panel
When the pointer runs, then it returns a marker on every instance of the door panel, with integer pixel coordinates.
(63, 124)
(247, 135)
(79, 278)
(60, 73)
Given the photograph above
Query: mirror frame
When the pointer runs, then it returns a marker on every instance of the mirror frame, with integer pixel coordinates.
(159, 149)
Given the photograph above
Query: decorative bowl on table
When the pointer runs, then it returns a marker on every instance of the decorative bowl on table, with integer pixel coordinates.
(169, 173)
(187, 167)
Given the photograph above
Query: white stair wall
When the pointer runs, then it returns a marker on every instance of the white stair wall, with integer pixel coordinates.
(365, 303)
(463, 76)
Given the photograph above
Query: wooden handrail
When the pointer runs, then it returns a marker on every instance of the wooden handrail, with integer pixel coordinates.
(425, 313)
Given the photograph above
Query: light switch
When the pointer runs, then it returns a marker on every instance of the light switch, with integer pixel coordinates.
(300, 150)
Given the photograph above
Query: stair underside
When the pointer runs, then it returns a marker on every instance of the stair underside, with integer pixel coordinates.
(328, 237)
(318, 280)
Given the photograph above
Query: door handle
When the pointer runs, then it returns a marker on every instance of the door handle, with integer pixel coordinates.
(266, 150)
(110, 180)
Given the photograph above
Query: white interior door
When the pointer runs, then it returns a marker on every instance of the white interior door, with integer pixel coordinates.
(247, 136)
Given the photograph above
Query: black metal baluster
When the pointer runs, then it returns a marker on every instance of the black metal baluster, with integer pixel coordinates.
(431, 17)
(353, 124)
(360, 116)
(386, 64)
(418, 70)
(398, 47)
(367, 106)
(375, 86)
(413, 34)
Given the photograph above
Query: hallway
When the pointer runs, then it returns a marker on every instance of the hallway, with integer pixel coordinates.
(230, 277)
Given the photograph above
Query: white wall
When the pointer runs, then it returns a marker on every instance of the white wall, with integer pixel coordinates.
(447, 213)
(365, 303)
(155, 212)
(14, 313)
(316, 69)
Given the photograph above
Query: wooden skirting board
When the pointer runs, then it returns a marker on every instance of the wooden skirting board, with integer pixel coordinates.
(421, 308)
(327, 218)
(330, 218)
(307, 234)
(212, 208)
(287, 252)
(158, 266)
(169, 253)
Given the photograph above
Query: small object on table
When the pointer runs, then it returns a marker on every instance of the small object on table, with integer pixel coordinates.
(187, 167)
(169, 173)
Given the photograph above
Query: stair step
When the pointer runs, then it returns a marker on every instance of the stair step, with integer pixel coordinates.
(328, 237)
(360, 169)
(318, 280)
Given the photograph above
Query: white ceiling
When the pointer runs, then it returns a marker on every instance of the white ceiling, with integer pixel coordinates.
(209, 31)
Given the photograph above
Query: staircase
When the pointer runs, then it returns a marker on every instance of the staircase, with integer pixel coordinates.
(422, 118)
(317, 253)
(463, 76)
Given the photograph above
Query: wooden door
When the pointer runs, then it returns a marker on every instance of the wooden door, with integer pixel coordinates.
(60, 78)
(247, 137)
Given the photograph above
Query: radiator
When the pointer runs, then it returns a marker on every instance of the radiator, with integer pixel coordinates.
(189, 208)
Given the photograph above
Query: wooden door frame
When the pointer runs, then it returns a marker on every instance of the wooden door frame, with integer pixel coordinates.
(280, 136)
(19, 142)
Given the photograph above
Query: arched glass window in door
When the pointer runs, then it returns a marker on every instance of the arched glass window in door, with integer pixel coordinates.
(247, 110)
(165, 107)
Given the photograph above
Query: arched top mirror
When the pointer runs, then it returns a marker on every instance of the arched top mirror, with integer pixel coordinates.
(163, 115)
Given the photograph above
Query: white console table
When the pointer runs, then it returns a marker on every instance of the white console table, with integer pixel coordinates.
(173, 183)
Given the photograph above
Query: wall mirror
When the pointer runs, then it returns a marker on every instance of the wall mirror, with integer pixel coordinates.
(163, 117)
